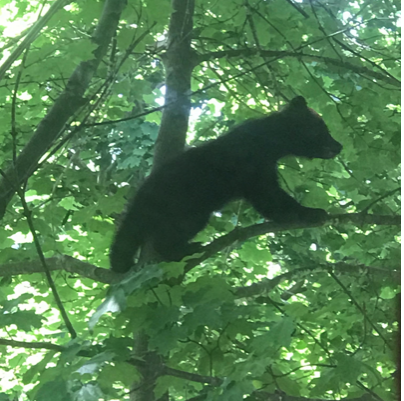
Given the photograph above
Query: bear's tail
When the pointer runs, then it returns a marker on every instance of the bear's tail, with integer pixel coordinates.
(128, 239)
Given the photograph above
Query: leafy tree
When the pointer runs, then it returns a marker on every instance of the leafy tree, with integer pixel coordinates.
(266, 312)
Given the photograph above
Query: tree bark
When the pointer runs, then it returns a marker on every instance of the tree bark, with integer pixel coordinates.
(179, 61)
(68, 103)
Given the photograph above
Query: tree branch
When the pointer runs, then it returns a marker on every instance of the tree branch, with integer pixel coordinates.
(179, 61)
(61, 262)
(178, 64)
(265, 284)
(84, 269)
(242, 234)
(165, 370)
(48, 275)
(32, 35)
(353, 301)
(308, 57)
(70, 100)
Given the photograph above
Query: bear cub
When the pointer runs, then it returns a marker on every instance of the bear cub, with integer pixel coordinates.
(176, 200)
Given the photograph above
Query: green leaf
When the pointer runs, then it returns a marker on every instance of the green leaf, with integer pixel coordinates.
(387, 293)
(69, 203)
(304, 335)
(119, 372)
(348, 368)
(53, 390)
(251, 253)
(24, 320)
(89, 392)
(94, 364)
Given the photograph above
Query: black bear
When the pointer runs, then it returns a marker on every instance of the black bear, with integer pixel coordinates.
(176, 200)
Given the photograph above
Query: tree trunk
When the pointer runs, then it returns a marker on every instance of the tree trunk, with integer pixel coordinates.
(179, 61)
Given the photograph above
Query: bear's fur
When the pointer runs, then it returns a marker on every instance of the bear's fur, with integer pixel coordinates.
(177, 199)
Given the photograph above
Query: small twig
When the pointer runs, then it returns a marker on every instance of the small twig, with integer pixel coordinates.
(386, 195)
(354, 302)
(51, 283)
(298, 9)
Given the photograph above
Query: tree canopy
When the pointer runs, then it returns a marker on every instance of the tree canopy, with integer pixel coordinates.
(93, 95)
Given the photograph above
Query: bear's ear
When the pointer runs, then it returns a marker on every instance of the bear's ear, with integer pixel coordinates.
(298, 102)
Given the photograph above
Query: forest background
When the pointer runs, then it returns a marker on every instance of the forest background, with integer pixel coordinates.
(92, 95)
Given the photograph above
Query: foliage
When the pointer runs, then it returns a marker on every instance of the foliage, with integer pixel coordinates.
(326, 329)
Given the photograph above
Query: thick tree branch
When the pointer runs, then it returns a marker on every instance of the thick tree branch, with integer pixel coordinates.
(107, 276)
(70, 100)
(179, 61)
(242, 234)
(75, 266)
(61, 262)
(32, 345)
